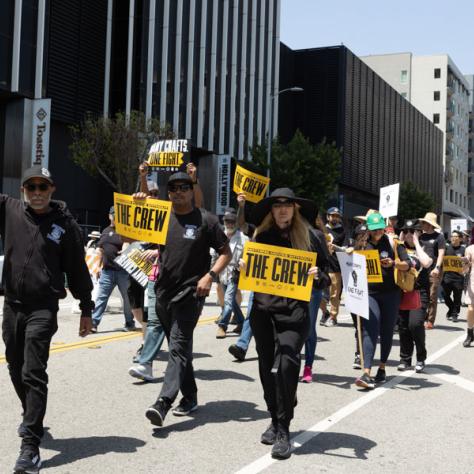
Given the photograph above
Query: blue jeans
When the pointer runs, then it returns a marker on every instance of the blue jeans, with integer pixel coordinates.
(383, 314)
(230, 305)
(154, 334)
(310, 344)
(108, 280)
(246, 334)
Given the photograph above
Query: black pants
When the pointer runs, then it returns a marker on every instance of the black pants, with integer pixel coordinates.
(178, 321)
(279, 339)
(455, 289)
(27, 333)
(411, 326)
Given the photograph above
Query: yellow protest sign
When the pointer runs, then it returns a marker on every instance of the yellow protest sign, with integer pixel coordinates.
(145, 220)
(168, 155)
(253, 185)
(374, 269)
(451, 263)
(277, 271)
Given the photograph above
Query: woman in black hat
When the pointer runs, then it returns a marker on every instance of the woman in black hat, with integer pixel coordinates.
(281, 325)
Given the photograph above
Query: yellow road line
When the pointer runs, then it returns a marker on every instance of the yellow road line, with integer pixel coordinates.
(91, 342)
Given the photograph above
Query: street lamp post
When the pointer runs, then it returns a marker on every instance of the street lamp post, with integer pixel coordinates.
(270, 126)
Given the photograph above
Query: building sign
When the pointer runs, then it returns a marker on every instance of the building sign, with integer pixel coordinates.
(41, 124)
(223, 184)
(169, 155)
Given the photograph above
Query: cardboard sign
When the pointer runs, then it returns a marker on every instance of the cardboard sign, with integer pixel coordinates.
(388, 204)
(253, 185)
(459, 224)
(132, 261)
(451, 263)
(168, 155)
(93, 261)
(372, 263)
(277, 271)
(145, 219)
(354, 280)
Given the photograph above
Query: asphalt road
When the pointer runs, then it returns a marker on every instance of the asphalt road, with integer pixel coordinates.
(96, 424)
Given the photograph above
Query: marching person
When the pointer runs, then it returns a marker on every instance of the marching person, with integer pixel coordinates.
(468, 260)
(384, 300)
(184, 280)
(411, 321)
(42, 241)
(281, 325)
(453, 282)
(433, 243)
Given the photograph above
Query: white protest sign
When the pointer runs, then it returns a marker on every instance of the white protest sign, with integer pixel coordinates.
(388, 204)
(354, 280)
(458, 224)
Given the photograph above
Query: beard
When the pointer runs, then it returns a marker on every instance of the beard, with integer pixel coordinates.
(35, 206)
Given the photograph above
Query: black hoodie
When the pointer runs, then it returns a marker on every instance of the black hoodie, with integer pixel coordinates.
(39, 250)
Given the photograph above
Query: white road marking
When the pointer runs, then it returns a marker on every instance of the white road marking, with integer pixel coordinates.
(453, 379)
(266, 461)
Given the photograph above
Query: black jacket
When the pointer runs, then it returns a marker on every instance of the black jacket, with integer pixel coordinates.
(339, 238)
(39, 250)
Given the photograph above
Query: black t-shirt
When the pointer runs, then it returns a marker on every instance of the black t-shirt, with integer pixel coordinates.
(339, 238)
(454, 277)
(111, 244)
(385, 250)
(431, 244)
(423, 278)
(186, 258)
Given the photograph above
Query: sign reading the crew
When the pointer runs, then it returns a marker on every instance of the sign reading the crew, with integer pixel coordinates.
(277, 271)
(372, 263)
(146, 219)
(253, 185)
(168, 155)
(451, 263)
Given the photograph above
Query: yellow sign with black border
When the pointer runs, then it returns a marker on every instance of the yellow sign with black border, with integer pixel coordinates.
(253, 185)
(373, 266)
(452, 263)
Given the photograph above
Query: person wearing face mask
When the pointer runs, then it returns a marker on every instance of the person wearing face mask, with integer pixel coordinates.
(281, 325)
(384, 300)
(42, 242)
(230, 276)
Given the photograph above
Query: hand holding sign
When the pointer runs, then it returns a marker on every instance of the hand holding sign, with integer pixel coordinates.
(253, 185)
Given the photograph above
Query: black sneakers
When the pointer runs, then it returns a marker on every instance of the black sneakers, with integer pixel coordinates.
(186, 406)
(282, 446)
(325, 316)
(380, 376)
(365, 381)
(29, 461)
(22, 431)
(469, 338)
(357, 362)
(237, 352)
(270, 434)
(157, 412)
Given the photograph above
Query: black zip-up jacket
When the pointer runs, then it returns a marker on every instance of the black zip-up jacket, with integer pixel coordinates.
(39, 250)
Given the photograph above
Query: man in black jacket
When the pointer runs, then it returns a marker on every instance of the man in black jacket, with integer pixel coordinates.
(42, 243)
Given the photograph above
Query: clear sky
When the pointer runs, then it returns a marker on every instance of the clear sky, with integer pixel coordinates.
(366, 27)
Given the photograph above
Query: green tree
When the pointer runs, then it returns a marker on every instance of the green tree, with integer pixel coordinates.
(312, 171)
(114, 147)
(414, 202)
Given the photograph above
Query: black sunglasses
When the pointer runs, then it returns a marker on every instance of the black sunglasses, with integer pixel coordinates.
(33, 187)
(172, 188)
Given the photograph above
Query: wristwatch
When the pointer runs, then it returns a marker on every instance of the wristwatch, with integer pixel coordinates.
(438, 267)
(213, 274)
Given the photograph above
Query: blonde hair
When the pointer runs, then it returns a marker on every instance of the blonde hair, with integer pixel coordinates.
(299, 229)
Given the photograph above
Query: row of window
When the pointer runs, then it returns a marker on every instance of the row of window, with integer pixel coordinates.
(456, 198)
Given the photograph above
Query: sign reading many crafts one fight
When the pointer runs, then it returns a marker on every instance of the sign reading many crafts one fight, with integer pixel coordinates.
(372, 263)
(277, 271)
(168, 155)
(452, 263)
(145, 219)
(252, 184)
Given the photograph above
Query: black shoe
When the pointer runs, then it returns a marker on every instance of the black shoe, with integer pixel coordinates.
(356, 364)
(22, 431)
(186, 406)
(157, 412)
(365, 381)
(270, 434)
(282, 447)
(449, 316)
(469, 338)
(454, 318)
(380, 376)
(29, 461)
(324, 318)
(237, 352)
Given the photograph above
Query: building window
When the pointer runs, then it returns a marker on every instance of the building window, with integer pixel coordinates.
(451, 195)
(436, 95)
(437, 73)
(404, 76)
(435, 118)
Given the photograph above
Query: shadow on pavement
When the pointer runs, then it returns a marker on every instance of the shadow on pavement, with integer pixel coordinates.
(335, 380)
(325, 443)
(163, 355)
(212, 375)
(212, 412)
(416, 383)
(449, 328)
(441, 369)
(72, 449)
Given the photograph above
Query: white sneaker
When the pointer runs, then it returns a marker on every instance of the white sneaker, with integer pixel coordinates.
(142, 372)
(419, 367)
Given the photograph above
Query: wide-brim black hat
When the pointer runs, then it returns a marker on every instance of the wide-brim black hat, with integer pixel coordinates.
(308, 209)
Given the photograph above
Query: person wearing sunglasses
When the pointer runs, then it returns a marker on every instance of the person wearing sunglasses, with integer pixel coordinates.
(42, 242)
(184, 280)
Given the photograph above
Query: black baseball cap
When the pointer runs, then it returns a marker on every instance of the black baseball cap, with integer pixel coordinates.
(180, 176)
(37, 172)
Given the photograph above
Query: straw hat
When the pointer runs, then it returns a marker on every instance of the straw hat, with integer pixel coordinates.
(363, 219)
(431, 218)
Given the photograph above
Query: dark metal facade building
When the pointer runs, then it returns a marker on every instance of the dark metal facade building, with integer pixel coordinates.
(385, 140)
